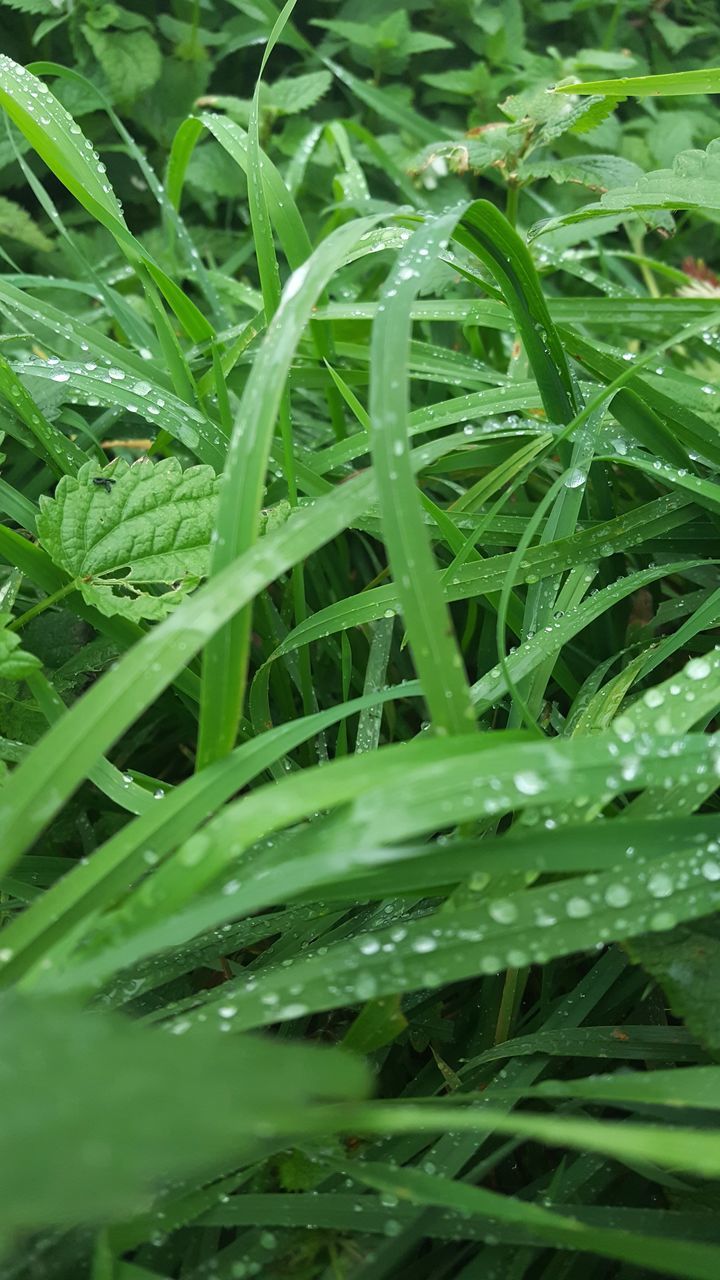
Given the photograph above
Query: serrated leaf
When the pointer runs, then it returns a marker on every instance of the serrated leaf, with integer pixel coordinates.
(15, 662)
(471, 154)
(686, 963)
(675, 35)
(693, 182)
(363, 34)
(425, 42)
(289, 96)
(600, 110)
(465, 82)
(45, 7)
(125, 529)
(16, 224)
(536, 109)
(131, 60)
(212, 173)
(599, 172)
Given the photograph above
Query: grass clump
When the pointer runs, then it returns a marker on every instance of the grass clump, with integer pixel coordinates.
(359, 599)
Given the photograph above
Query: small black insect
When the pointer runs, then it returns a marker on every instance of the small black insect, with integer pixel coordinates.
(105, 482)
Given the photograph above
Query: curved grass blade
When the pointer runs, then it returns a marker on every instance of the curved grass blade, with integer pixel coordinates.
(58, 140)
(441, 779)
(486, 233)
(93, 885)
(225, 658)
(434, 646)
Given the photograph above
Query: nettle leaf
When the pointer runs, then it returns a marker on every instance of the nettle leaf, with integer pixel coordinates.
(536, 111)
(674, 35)
(464, 83)
(291, 95)
(388, 44)
(123, 531)
(600, 109)
(425, 42)
(15, 663)
(693, 182)
(598, 172)
(364, 35)
(602, 60)
(44, 7)
(16, 224)
(131, 60)
(490, 145)
(212, 174)
(686, 963)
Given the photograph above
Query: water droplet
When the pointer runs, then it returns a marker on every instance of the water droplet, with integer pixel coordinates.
(424, 944)
(578, 907)
(653, 698)
(528, 783)
(503, 911)
(660, 885)
(293, 1011)
(698, 669)
(369, 946)
(662, 920)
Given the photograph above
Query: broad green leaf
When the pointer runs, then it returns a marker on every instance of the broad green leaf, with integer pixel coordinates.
(693, 182)
(17, 224)
(59, 763)
(131, 60)
(122, 530)
(599, 172)
(536, 112)
(297, 93)
(686, 963)
(109, 1104)
(31, 6)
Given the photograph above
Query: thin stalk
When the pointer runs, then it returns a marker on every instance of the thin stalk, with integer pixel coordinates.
(44, 604)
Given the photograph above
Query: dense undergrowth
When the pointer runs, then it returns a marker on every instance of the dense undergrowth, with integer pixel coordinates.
(359, 599)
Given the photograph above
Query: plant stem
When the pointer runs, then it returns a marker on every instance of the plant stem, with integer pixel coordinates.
(44, 604)
(511, 202)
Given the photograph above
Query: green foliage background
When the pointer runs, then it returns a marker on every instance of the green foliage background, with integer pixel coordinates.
(359, 674)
